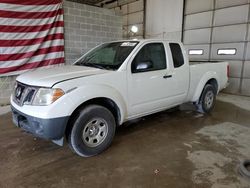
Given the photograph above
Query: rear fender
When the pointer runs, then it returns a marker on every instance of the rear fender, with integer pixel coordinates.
(205, 78)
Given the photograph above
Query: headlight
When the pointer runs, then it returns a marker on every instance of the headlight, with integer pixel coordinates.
(46, 96)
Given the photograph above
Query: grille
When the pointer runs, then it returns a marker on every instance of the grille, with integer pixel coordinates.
(23, 94)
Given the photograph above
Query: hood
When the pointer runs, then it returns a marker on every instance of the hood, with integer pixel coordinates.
(47, 77)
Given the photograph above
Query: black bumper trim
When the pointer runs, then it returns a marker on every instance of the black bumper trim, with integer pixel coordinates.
(50, 129)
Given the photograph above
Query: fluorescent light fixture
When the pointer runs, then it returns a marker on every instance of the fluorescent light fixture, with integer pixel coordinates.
(134, 29)
(226, 51)
(195, 52)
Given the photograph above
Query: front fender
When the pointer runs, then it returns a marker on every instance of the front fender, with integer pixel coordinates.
(88, 92)
(205, 78)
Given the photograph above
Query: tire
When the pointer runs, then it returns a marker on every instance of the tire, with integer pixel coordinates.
(92, 132)
(243, 169)
(207, 100)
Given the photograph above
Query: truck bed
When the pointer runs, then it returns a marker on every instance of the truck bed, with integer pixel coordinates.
(201, 62)
(199, 72)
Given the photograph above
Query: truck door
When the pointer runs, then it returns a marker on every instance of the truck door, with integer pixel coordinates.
(150, 80)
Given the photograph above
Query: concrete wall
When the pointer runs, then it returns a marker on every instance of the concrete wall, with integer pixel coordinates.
(85, 27)
(132, 13)
(164, 19)
(6, 87)
(211, 25)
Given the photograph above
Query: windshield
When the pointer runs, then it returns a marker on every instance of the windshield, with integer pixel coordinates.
(108, 56)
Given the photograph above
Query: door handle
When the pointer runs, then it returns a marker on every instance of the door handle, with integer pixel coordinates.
(167, 76)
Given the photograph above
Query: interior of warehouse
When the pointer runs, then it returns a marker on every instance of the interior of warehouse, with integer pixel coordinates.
(185, 144)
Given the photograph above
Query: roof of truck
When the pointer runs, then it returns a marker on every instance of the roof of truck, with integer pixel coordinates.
(147, 40)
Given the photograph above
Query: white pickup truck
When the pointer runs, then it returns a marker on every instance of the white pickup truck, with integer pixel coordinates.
(113, 83)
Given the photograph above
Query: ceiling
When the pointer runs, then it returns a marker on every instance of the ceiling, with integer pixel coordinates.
(103, 3)
(89, 2)
(93, 2)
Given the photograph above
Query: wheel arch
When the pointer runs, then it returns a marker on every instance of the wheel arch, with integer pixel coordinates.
(208, 80)
(102, 101)
(214, 83)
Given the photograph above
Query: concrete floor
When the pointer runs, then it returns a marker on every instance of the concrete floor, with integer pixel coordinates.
(169, 149)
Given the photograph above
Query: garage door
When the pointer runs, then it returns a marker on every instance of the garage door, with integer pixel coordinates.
(219, 30)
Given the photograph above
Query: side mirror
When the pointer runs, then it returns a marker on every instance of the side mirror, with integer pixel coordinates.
(143, 66)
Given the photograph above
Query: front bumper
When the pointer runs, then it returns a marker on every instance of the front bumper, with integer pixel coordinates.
(50, 129)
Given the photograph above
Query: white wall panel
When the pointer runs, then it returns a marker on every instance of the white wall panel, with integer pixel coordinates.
(234, 85)
(235, 68)
(172, 35)
(248, 52)
(164, 19)
(248, 37)
(233, 33)
(228, 3)
(246, 87)
(204, 56)
(239, 51)
(228, 22)
(246, 73)
(194, 6)
(233, 15)
(198, 20)
(198, 36)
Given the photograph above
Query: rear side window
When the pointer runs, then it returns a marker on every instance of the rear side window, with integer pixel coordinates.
(177, 55)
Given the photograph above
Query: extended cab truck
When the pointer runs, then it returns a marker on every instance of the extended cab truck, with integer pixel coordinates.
(113, 83)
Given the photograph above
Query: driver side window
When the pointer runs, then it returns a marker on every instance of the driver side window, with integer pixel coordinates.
(151, 57)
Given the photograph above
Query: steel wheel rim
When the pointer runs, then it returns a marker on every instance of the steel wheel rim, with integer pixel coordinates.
(95, 132)
(209, 99)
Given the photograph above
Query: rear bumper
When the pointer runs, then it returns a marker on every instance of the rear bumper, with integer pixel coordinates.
(50, 129)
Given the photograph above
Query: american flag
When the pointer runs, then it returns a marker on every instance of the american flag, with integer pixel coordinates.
(31, 35)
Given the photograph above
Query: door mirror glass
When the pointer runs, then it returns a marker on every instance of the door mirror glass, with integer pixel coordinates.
(143, 66)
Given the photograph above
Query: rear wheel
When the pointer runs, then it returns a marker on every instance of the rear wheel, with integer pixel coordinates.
(92, 131)
(207, 99)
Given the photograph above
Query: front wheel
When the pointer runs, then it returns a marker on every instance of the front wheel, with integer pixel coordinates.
(92, 131)
(207, 99)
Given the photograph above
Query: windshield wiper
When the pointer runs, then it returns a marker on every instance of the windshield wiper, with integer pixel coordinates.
(93, 65)
(88, 62)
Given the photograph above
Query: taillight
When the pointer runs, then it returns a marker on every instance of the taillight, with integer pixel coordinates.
(228, 71)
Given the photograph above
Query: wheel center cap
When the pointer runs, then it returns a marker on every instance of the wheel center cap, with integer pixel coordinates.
(93, 131)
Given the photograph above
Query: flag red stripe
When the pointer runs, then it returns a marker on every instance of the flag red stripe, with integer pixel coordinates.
(32, 65)
(28, 29)
(32, 2)
(30, 15)
(24, 44)
(28, 42)
(8, 57)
